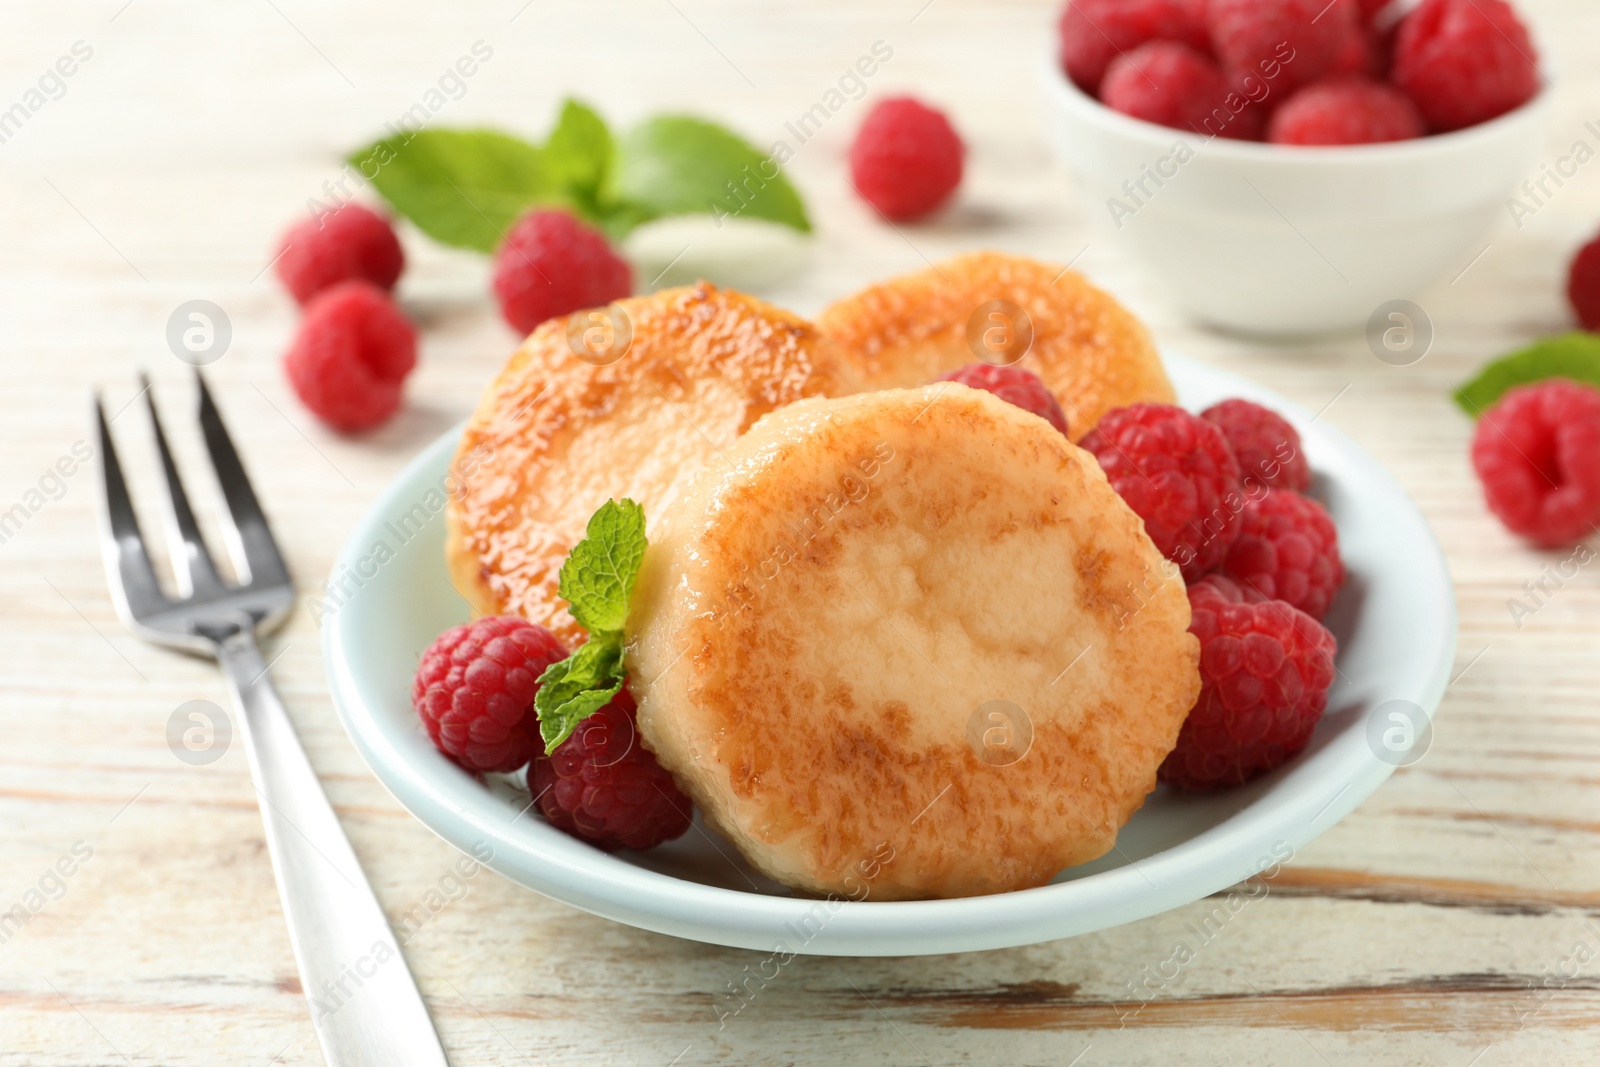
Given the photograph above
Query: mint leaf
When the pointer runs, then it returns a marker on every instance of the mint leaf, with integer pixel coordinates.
(1573, 355)
(679, 165)
(577, 687)
(461, 187)
(579, 154)
(597, 578)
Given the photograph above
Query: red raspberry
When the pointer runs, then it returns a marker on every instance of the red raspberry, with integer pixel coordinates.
(1266, 446)
(1171, 84)
(1015, 386)
(1290, 43)
(1346, 111)
(336, 246)
(1095, 32)
(1583, 285)
(1371, 9)
(1176, 472)
(551, 264)
(1265, 671)
(603, 786)
(1288, 549)
(1465, 61)
(906, 159)
(1535, 450)
(474, 691)
(351, 355)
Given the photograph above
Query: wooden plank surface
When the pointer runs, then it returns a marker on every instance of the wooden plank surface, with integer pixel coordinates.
(1449, 920)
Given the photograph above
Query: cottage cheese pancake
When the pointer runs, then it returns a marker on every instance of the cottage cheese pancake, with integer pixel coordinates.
(909, 644)
(1091, 352)
(556, 435)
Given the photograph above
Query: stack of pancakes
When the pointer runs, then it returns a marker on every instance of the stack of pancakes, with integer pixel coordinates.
(896, 637)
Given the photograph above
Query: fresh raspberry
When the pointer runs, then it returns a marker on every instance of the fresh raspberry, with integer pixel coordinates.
(906, 159)
(1290, 43)
(1171, 84)
(1014, 385)
(474, 691)
(1583, 285)
(351, 355)
(603, 786)
(1266, 446)
(1346, 111)
(1465, 61)
(551, 264)
(1095, 32)
(1372, 9)
(1176, 471)
(348, 242)
(1288, 549)
(1265, 671)
(1535, 450)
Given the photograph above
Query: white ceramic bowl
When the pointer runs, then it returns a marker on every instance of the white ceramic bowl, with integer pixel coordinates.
(1395, 620)
(1283, 240)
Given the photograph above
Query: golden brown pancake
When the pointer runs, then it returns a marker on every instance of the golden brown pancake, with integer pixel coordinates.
(555, 435)
(1088, 348)
(909, 644)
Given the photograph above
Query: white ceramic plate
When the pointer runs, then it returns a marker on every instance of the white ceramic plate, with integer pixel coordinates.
(1395, 620)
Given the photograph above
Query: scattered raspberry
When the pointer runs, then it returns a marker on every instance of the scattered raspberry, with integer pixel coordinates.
(351, 355)
(1465, 61)
(603, 786)
(337, 246)
(1346, 111)
(1288, 549)
(1171, 84)
(1289, 42)
(1266, 446)
(1095, 32)
(474, 691)
(551, 264)
(1176, 472)
(1015, 386)
(1265, 671)
(1535, 451)
(1583, 285)
(1372, 9)
(906, 158)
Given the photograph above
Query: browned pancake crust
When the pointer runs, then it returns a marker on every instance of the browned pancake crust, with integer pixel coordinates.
(554, 436)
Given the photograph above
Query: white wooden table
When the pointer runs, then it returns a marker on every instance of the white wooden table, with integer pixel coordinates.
(1431, 926)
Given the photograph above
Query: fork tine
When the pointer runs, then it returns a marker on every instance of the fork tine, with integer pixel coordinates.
(127, 563)
(255, 551)
(191, 563)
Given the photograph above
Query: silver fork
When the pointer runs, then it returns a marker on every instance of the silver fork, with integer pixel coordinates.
(364, 1002)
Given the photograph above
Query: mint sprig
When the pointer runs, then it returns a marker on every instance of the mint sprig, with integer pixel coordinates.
(465, 187)
(1573, 355)
(597, 582)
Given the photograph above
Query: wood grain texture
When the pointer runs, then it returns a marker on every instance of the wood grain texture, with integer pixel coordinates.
(1440, 923)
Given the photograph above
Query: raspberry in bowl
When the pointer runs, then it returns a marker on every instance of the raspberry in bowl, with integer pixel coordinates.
(1360, 162)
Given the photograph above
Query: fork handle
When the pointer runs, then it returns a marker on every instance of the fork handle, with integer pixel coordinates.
(363, 1000)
